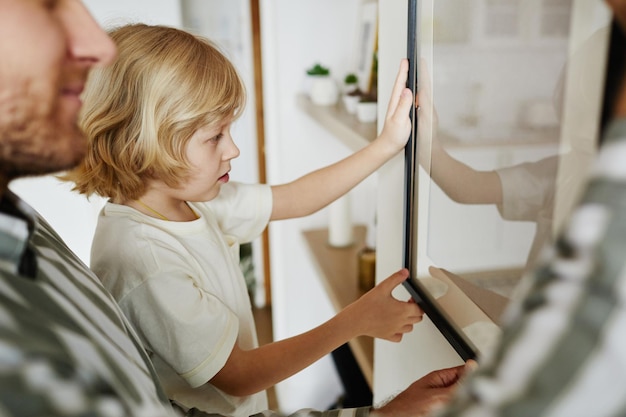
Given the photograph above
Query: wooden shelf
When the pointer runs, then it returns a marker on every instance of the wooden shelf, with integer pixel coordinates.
(339, 122)
(338, 270)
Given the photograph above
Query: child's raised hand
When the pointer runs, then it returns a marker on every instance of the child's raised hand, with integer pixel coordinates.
(397, 128)
(427, 118)
(379, 314)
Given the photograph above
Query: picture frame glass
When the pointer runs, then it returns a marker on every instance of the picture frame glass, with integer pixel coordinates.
(505, 132)
(366, 44)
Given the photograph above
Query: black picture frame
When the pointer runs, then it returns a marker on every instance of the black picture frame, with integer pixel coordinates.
(462, 345)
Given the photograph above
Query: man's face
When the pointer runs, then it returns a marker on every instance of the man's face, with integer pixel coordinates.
(47, 49)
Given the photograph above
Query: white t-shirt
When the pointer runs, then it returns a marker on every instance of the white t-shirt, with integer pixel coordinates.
(528, 195)
(181, 286)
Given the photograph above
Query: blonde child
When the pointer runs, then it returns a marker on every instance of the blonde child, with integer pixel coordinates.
(167, 242)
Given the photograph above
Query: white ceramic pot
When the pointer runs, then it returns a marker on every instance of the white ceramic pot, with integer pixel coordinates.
(349, 88)
(367, 112)
(350, 102)
(324, 90)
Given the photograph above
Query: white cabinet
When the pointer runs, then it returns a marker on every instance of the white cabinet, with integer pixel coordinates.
(500, 22)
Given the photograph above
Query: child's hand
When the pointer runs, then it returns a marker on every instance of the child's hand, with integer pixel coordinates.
(427, 120)
(378, 314)
(397, 128)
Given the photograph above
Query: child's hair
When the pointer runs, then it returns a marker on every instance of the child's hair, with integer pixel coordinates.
(140, 112)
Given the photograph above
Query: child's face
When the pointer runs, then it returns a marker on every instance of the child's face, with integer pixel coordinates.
(209, 153)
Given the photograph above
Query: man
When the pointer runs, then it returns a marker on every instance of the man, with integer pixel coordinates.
(65, 347)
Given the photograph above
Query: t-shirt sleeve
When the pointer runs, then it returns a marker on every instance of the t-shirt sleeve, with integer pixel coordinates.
(526, 187)
(187, 327)
(243, 210)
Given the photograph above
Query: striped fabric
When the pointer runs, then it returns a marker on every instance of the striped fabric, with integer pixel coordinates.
(563, 351)
(65, 348)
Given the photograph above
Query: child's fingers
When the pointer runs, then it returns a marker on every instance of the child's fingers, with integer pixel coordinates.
(395, 337)
(407, 328)
(424, 94)
(416, 314)
(394, 280)
(398, 87)
(424, 78)
(404, 105)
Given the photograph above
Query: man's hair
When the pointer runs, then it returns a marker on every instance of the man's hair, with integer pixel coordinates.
(140, 112)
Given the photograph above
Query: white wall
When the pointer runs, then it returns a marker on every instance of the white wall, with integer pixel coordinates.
(116, 12)
(296, 35)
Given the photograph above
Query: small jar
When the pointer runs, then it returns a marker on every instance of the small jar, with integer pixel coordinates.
(367, 268)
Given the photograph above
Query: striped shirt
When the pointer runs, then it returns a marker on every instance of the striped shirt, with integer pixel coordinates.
(65, 347)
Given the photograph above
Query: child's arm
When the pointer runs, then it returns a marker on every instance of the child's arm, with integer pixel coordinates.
(377, 314)
(319, 188)
(459, 181)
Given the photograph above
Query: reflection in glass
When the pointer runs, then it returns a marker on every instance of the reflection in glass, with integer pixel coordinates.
(509, 107)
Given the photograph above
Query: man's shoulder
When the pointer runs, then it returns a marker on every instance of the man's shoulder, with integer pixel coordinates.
(62, 334)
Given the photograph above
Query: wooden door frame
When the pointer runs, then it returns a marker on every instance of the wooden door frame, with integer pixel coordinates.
(255, 20)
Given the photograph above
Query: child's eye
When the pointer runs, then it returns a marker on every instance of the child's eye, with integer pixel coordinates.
(216, 138)
(49, 4)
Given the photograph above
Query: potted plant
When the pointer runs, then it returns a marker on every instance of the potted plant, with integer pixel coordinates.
(351, 99)
(350, 83)
(318, 70)
(367, 108)
(323, 90)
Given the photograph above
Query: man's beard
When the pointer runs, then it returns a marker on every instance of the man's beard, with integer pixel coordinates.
(34, 141)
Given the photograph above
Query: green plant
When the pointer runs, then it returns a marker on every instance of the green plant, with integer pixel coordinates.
(318, 69)
(351, 78)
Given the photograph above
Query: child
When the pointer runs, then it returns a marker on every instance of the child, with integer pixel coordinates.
(167, 242)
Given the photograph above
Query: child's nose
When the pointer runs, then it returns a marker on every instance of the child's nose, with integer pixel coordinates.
(233, 151)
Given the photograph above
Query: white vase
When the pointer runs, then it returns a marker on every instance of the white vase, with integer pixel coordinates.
(349, 88)
(366, 112)
(340, 222)
(324, 90)
(350, 102)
